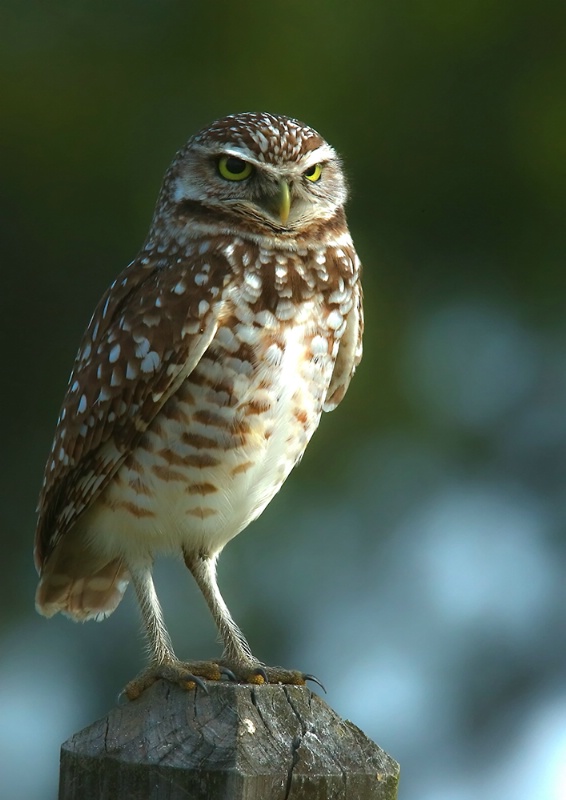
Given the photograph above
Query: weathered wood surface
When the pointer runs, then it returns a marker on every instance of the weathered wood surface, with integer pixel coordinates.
(234, 743)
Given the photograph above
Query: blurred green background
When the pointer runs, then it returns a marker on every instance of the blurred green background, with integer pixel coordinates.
(415, 560)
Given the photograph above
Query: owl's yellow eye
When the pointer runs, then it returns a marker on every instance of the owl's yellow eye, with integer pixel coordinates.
(234, 169)
(313, 173)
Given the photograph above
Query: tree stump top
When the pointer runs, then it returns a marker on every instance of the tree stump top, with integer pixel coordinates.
(237, 741)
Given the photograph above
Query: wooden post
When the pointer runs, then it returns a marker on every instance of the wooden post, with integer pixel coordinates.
(238, 742)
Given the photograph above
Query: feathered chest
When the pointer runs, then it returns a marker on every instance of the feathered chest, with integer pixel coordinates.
(224, 443)
(209, 372)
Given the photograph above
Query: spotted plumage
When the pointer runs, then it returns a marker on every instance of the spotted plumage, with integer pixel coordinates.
(201, 377)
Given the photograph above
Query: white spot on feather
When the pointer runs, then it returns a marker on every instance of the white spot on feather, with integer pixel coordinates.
(131, 371)
(253, 280)
(334, 319)
(262, 141)
(285, 310)
(247, 334)
(151, 362)
(190, 327)
(114, 354)
(319, 346)
(142, 346)
(274, 355)
(266, 319)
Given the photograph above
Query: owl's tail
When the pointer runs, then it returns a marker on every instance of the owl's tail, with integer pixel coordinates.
(79, 588)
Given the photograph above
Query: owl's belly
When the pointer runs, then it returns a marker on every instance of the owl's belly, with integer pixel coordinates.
(220, 448)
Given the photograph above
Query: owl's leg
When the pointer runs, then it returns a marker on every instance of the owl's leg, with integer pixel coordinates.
(237, 662)
(163, 661)
(236, 649)
(237, 659)
(158, 639)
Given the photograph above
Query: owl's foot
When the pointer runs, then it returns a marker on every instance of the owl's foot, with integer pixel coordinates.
(259, 674)
(186, 674)
(189, 674)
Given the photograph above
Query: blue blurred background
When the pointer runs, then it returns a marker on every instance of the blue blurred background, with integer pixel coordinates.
(415, 560)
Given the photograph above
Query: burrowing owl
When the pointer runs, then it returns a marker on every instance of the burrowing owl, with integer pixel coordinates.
(200, 379)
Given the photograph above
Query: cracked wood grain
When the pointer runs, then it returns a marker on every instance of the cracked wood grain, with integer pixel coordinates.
(235, 743)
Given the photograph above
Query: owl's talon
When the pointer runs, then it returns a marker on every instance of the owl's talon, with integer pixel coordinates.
(308, 677)
(186, 680)
(229, 674)
(122, 699)
(260, 672)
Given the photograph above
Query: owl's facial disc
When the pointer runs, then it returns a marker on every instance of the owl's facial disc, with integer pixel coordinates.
(275, 192)
(252, 188)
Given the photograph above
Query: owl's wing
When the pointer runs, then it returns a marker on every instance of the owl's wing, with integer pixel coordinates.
(146, 335)
(350, 348)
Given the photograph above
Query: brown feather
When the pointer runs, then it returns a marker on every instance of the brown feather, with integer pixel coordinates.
(103, 404)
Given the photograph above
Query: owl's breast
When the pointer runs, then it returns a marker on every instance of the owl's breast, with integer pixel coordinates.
(224, 443)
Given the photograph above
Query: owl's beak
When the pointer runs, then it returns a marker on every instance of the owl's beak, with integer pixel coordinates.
(277, 203)
(284, 201)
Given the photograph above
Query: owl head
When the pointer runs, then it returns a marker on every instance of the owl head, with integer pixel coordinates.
(260, 174)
